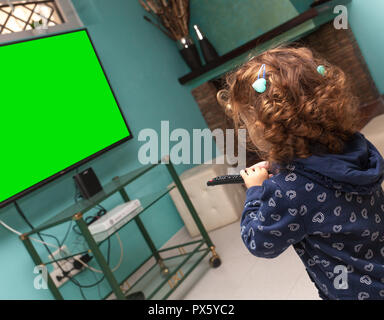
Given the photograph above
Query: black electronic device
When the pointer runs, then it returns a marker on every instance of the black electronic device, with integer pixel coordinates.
(228, 179)
(88, 183)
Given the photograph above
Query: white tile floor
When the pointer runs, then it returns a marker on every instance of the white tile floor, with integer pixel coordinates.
(244, 276)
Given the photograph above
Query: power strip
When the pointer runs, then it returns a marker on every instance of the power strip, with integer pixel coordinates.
(66, 265)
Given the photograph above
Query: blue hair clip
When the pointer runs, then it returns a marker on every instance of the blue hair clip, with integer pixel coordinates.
(321, 70)
(260, 85)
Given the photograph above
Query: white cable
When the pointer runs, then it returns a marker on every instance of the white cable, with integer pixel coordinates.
(46, 243)
(116, 267)
(79, 260)
(10, 228)
(19, 234)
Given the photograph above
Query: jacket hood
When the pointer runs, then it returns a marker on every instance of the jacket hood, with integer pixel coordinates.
(359, 169)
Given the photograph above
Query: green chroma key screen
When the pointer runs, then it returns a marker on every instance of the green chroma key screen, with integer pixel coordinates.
(57, 110)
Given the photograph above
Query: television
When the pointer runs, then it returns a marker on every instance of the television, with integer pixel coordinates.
(57, 111)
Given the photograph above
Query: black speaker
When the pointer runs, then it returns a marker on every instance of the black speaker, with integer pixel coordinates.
(88, 183)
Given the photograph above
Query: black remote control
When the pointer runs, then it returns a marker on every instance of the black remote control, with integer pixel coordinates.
(228, 179)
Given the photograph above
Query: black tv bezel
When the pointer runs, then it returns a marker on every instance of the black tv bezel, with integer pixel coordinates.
(61, 173)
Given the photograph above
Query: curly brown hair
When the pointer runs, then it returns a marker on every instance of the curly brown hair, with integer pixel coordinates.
(301, 111)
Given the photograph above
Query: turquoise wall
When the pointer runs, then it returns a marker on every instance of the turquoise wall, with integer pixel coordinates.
(143, 67)
(366, 21)
(229, 24)
(301, 5)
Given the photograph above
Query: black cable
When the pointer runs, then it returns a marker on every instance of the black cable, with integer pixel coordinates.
(53, 237)
(21, 213)
(82, 294)
(40, 234)
(102, 278)
(98, 286)
(103, 210)
(74, 281)
(66, 234)
(88, 220)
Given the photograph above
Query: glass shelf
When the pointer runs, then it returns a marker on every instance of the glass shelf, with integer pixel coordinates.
(87, 204)
(77, 244)
(157, 286)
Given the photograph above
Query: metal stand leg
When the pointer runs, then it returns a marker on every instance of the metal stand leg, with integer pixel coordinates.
(36, 259)
(215, 259)
(148, 240)
(151, 245)
(99, 257)
(189, 204)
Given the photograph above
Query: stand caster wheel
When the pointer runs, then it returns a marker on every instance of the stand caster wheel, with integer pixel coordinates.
(163, 269)
(136, 296)
(164, 272)
(215, 262)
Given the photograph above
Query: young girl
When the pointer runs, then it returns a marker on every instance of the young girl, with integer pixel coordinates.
(325, 196)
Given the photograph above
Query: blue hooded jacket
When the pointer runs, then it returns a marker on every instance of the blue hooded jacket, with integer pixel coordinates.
(330, 207)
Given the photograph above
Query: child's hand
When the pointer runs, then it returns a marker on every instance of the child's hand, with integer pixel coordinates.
(255, 175)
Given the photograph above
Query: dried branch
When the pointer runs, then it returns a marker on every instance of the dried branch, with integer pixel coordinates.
(153, 6)
(171, 16)
(144, 5)
(159, 27)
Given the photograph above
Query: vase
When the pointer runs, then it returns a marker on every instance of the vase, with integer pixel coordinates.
(189, 52)
(209, 52)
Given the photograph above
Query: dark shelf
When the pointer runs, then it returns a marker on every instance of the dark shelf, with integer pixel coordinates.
(304, 17)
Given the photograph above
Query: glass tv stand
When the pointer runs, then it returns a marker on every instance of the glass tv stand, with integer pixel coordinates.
(165, 274)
